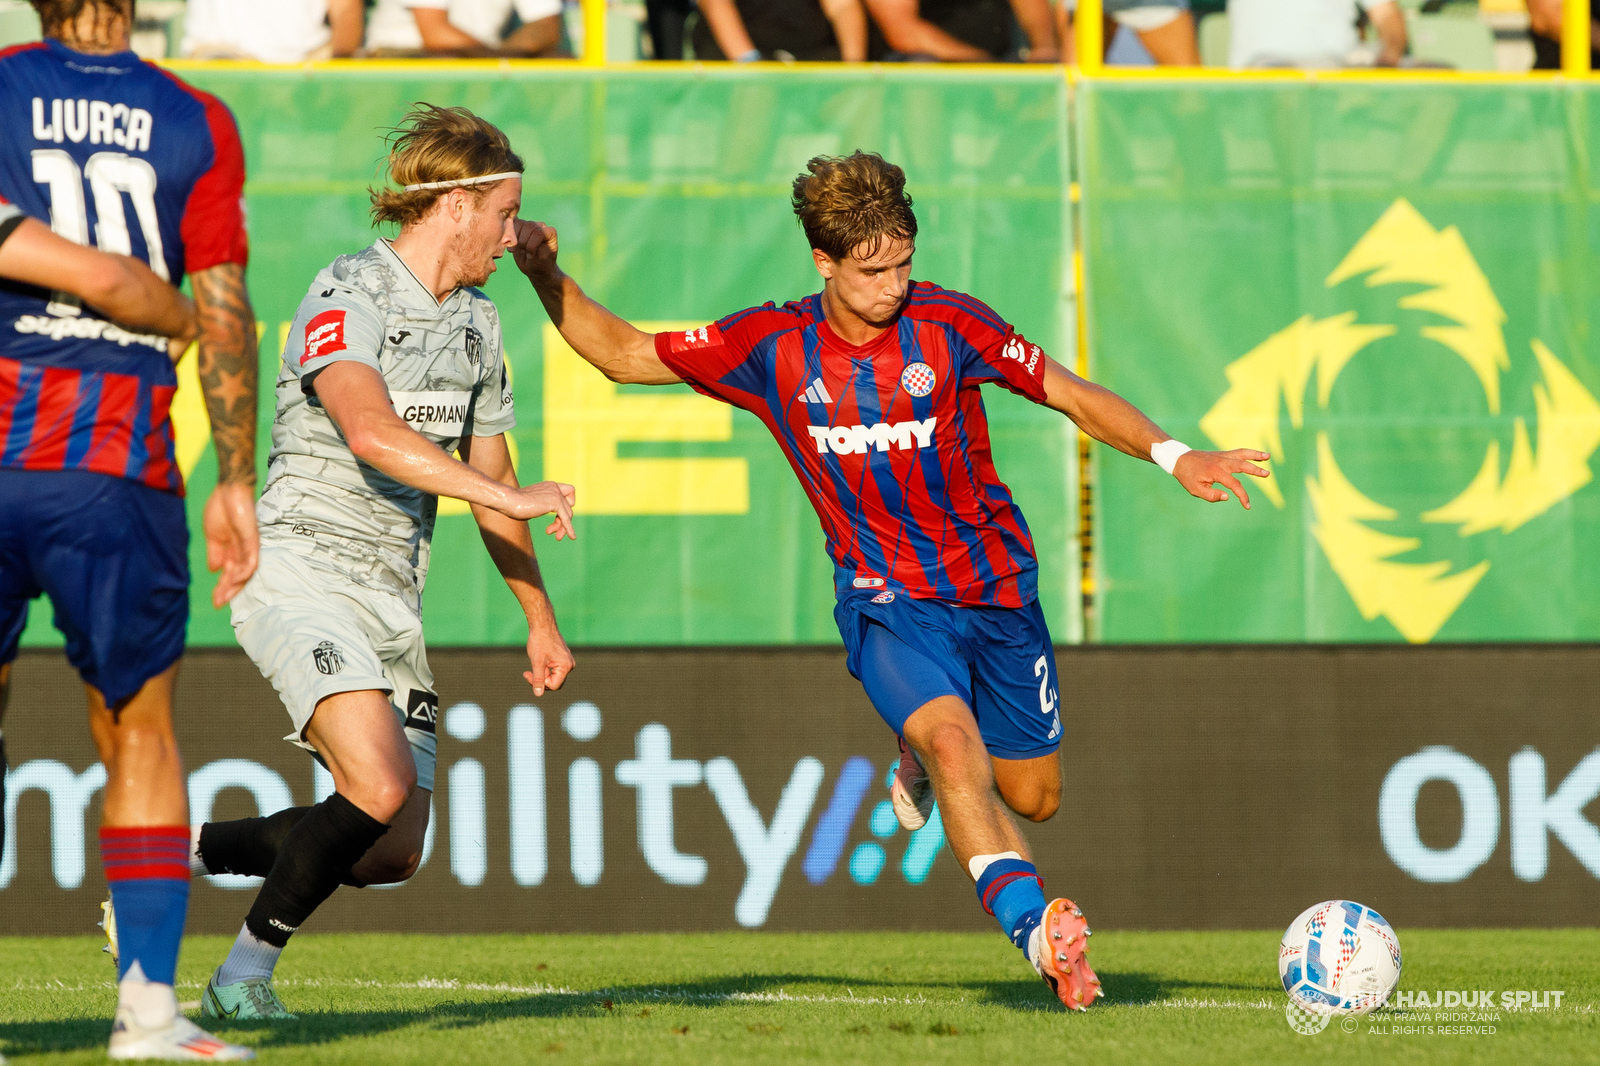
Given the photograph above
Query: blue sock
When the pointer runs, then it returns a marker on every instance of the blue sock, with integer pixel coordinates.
(1010, 889)
(148, 870)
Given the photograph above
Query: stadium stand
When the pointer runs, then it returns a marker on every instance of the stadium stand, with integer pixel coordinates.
(444, 29)
(292, 31)
(785, 30)
(961, 30)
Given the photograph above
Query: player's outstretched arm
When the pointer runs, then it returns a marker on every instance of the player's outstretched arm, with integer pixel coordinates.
(229, 369)
(1110, 419)
(357, 400)
(122, 287)
(511, 547)
(612, 346)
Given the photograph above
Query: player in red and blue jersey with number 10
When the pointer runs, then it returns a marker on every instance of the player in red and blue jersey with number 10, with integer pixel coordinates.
(96, 142)
(871, 387)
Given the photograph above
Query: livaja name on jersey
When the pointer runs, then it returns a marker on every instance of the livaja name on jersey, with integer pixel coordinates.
(102, 123)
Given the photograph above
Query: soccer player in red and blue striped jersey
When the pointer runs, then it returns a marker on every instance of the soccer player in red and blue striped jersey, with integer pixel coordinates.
(96, 141)
(872, 389)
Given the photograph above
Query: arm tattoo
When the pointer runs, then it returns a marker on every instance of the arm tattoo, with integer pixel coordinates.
(229, 367)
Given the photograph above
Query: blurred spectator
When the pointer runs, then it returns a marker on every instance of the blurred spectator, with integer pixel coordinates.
(665, 19)
(465, 28)
(1313, 33)
(973, 31)
(285, 31)
(1544, 25)
(1164, 27)
(789, 30)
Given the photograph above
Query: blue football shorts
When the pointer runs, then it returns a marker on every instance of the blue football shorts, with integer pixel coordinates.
(997, 660)
(112, 555)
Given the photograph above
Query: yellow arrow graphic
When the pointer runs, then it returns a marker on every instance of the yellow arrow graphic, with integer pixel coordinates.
(1402, 247)
(1569, 433)
(1279, 367)
(1416, 597)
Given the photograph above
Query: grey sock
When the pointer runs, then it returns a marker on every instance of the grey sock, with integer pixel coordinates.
(249, 958)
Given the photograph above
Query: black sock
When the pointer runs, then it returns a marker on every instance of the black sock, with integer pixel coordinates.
(315, 857)
(2, 792)
(248, 846)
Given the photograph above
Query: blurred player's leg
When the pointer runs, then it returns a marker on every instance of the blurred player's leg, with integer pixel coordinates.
(5, 767)
(15, 591)
(366, 749)
(144, 845)
(112, 555)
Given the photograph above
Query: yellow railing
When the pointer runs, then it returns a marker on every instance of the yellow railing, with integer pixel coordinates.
(594, 33)
(1575, 36)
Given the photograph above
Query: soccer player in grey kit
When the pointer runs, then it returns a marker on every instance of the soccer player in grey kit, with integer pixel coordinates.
(394, 362)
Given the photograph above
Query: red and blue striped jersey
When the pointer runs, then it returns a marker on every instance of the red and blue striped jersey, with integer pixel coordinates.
(112, 151)
(890, 439)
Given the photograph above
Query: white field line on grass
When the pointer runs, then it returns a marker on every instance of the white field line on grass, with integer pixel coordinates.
(435, 984)
(632, 995)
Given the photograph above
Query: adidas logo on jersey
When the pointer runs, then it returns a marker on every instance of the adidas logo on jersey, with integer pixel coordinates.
(817, 393)
(847, 440)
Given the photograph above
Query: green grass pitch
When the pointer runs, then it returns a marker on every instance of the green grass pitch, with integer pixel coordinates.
(749, 998)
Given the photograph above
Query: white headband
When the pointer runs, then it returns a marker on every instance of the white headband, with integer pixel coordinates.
(462, 181)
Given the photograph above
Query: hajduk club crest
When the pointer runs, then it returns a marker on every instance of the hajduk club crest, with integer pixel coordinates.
(917, 379)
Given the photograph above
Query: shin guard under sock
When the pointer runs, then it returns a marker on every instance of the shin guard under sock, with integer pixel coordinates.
(247, 846)
(315, 857)
(1010, 889)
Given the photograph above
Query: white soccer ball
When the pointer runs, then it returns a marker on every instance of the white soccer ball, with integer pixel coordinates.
(1339, 958)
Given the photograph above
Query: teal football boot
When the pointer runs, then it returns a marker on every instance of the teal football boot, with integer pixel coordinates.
(252, 999)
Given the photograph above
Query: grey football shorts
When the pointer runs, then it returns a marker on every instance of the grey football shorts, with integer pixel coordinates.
(313, 633)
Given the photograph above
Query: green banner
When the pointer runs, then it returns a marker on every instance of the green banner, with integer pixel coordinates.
(1387, 288)
(669, 190)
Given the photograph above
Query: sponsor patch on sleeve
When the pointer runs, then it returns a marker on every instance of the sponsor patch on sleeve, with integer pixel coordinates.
(689, 340)
(324, 335)
(1024, 352)
(422, 711)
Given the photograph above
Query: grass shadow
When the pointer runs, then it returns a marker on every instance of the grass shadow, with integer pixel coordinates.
(751, 989)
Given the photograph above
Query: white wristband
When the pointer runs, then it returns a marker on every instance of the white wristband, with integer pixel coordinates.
(1167, 453)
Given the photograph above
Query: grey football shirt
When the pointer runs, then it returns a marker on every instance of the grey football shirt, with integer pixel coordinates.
(444, 365)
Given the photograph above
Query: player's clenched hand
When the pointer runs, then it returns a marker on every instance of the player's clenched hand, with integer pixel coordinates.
(1201, 472)
(535, 250)
(178, 345)
(549, 657)
(232, 542)
(546, 497)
